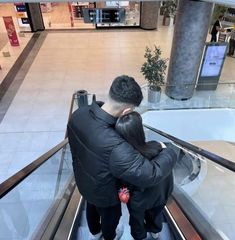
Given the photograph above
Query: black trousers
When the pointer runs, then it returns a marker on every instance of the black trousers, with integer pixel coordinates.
(213, 37)
(143, 221)
(103, 219)
(231, 46)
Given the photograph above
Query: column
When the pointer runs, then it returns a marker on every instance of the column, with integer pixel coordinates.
(35, 16)
(149, 15)
(190, 32)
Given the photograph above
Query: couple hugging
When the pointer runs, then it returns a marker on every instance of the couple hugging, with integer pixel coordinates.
(110, 153)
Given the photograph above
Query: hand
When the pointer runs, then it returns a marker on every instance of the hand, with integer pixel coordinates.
(124, 195)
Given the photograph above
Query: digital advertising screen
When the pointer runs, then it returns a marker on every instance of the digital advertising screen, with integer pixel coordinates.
(104, 15)
(213, 60)
(212, 64)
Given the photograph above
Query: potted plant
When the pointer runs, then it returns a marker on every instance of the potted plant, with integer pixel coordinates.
(169, 10)
(154, 71)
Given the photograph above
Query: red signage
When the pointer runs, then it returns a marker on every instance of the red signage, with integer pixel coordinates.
(11, 31)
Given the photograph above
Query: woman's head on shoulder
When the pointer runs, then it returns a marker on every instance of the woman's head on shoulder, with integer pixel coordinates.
(130, 118)
(130, 127)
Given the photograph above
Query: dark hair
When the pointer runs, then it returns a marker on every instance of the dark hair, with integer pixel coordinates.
(130, 127)
(125, 89)
(220, 16)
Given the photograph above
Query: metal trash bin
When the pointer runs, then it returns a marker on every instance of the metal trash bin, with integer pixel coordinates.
(82, 98)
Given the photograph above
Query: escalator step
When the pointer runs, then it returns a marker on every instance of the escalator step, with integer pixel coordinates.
(83, 232)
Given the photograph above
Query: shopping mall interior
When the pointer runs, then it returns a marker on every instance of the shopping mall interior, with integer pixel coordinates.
(51, 50)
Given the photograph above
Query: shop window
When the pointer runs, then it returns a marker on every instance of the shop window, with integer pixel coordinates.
(65, 15)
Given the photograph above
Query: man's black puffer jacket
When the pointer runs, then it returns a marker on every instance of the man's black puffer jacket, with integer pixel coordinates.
(100, 156)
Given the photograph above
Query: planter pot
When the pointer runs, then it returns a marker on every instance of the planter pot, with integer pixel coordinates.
(154, 95)
(166, 21)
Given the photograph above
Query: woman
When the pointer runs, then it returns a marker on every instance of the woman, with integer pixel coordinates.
(145, 204)
(216, 28)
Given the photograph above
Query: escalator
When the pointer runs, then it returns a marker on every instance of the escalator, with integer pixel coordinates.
(42, 202)
(82, 232)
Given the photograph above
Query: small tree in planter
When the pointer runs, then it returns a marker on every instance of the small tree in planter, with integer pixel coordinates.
(154, 71)
(169, 10)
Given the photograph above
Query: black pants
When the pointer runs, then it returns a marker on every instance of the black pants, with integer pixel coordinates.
(103, 219)
(231, 46)
(143, 221)
(214, 37)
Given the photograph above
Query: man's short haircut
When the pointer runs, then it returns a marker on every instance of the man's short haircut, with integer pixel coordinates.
(221, 16)
(125, 89)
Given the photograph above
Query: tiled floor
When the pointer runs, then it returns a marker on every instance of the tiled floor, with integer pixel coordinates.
(66, 62)
(3, 39)
(7, 62)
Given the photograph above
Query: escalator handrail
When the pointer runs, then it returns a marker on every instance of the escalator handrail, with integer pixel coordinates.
(209, 155)
(14, 180)
(70, 113)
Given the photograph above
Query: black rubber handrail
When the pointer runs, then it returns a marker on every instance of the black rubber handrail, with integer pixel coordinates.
(209, 155)
(70, 113)
(14, 180)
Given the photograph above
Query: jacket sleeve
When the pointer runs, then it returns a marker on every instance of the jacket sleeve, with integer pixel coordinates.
(129, 165)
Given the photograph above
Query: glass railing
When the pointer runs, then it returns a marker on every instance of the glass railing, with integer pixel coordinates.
(204, 190)
(201, 183)
(24, 210)
(207, 95)
(19, 149)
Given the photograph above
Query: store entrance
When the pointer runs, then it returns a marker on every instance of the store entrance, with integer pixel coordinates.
(18, 14)
(68, 15)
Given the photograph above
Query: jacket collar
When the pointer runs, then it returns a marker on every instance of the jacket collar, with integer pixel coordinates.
(100, 113)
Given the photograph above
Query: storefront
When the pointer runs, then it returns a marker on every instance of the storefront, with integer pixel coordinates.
(18, 13)
(15, 33)
(65, 15)
(14, 19)
(70, 15)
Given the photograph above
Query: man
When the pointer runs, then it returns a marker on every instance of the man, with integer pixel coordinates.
(232, 42)
(217, 27)
(101, 156)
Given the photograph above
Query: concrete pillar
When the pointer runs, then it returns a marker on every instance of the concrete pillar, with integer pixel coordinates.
(190, 32)
(35, 16)
(149, 15)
